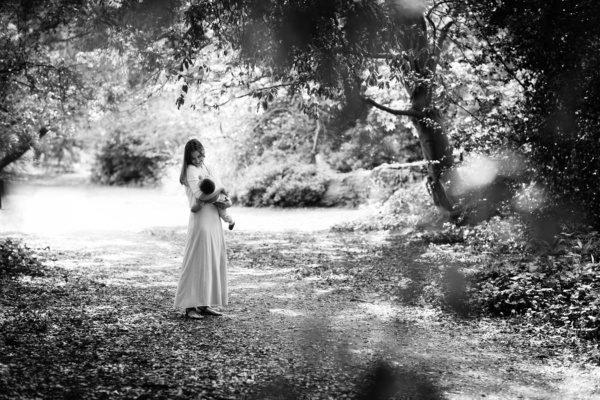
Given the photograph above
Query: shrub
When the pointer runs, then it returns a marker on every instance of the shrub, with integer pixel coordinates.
(548, 284)
(17, 259)
(292, 185)
(559, 284)
(130, 159)
(367, 149)
(407, 208)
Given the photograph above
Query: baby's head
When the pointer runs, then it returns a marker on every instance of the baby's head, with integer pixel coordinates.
(207, 186)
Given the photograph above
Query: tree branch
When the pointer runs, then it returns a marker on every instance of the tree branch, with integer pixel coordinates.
(408, 113)
(69, 38)
(442, 38)
(27, 85)
(416, 164)
(250, 93)
(465, 110)
(493, 49)
(20, 149)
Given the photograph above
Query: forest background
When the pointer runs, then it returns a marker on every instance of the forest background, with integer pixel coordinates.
(470, 80)
(500, 98)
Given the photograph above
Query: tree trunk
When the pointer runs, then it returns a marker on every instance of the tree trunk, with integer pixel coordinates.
(21, 148)
(422, 63)
(313, 154)
(436, 150)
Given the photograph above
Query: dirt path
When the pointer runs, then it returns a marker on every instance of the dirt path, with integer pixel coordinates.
(320, 328)
(299, 325)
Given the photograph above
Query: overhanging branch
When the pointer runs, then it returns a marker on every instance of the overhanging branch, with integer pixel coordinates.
(442, 38)
(21, 148)
(499, 56)
(253, 92)
(408, 113)
(415, 164)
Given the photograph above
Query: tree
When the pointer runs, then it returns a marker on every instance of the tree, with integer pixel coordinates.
(69, 59)
(552, 49)
(38, 86)
(320, 50)
(333, 49)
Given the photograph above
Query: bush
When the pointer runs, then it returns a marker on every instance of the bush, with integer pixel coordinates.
(548, 286)
(130, 159)
(407, 208)
(367, 148)
(17, 259)
(558, 284)
(271, 184)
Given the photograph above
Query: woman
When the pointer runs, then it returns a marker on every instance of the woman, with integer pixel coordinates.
(203, 279)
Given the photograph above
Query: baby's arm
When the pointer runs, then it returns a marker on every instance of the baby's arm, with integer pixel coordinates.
(222, 192)
(197, 206)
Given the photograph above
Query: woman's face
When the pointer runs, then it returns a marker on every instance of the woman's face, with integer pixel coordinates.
(197, 158)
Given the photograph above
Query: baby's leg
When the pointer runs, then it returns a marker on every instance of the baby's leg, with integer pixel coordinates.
(226, 217)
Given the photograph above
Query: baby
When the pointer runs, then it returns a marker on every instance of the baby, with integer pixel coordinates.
(216, 195)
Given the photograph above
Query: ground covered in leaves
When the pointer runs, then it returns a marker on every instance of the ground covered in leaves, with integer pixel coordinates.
(319, 315)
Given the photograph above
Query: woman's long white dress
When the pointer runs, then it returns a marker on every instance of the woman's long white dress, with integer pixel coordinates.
(203, 277)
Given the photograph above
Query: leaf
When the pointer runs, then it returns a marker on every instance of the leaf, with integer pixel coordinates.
(180, 101)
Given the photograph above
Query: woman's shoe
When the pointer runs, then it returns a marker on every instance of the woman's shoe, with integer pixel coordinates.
(209, 311)
(192, 313)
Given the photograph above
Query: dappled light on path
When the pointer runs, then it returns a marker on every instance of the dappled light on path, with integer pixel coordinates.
(311, 311)
(285, 312)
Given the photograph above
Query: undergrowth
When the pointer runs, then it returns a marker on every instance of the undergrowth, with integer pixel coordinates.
(541, 284)
(17, 258)
(409, 208)
(499, 269)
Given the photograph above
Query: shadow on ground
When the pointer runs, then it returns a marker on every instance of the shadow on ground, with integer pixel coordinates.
(311, 316)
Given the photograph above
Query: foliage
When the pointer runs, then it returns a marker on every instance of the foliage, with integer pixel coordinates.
(283, 131)
(69, 60)
(368, 146)
(495, 87)
(59, 152)
(391, 55)
(348, 50)
(559, 285)
(18, 259)
(408, 208)
(551, 289)
(501, 77)
(126, 159)
(289, 185)
(554, 58)
(502, 268)
(274, 135)
(41, 86)
(74, 333)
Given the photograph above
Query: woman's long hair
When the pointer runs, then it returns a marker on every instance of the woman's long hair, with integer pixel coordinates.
(191, 146)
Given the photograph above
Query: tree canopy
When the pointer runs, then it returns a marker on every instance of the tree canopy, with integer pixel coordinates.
(38, 86)
(65, 60)
(552, 48)
(471, 76)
